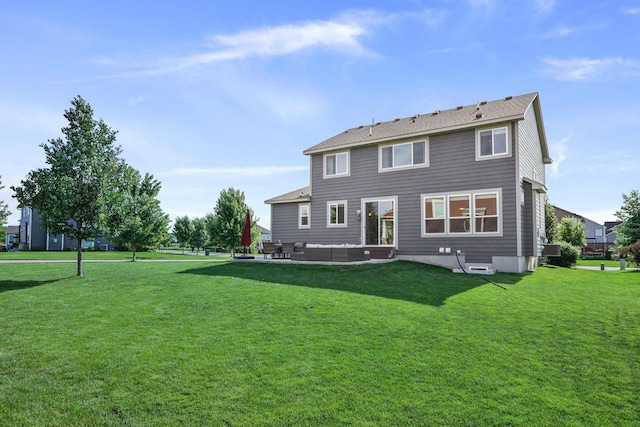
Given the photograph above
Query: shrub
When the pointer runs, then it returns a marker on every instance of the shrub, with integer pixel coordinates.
(632, 252)
(568, 256)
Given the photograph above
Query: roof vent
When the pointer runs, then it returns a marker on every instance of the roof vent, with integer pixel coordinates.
(379, 123)
(360, 127)
(396, 120)
(479, 116)
(346, 131)
(508, 98)
(435, 113)
(459, 107)
(483, 103)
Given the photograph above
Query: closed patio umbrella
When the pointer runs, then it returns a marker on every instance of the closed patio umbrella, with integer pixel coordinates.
(246, 236)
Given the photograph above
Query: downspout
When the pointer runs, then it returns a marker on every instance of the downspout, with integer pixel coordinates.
(30, 230)
(47, 245)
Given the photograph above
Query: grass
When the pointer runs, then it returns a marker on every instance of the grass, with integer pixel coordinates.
(232, 344)
(100, 255)
(607, 263)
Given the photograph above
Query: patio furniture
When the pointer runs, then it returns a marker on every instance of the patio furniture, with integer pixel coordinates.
(287, 249)
(271, 249)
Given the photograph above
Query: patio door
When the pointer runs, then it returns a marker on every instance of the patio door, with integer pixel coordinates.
(379, 225)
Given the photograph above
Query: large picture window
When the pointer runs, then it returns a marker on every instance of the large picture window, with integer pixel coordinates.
(492, 143)
(471, 213)
(336, 214)
(304, 217)
(410, 154)
(336, 164)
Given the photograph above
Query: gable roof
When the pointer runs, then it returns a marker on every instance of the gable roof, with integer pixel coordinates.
(300, 195)
(480, 114)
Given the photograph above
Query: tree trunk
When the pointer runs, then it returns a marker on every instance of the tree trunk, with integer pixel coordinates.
(133, 249)
(79, 257)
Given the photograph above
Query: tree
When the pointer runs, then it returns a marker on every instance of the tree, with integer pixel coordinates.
(136, 218)
(71, 195)
(182, 230)
(572, 232)
(4, 214)
(629, 231)
(199, 237)
(227, 223)
(550, 222)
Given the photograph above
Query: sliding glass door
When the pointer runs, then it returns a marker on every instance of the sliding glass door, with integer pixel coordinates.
(379, 222)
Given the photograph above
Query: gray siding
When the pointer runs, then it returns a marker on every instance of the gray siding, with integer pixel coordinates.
(453, 167)
(531, 166)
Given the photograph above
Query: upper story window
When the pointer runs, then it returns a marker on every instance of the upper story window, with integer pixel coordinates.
(336, 164)
(336, 214)
(304, 216)
(405, 155)
(492, 143)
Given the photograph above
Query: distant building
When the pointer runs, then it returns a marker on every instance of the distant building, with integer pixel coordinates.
(595, 233)
(34, 236)
(13, 232)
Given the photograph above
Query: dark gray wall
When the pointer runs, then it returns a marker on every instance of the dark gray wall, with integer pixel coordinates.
(452, 167)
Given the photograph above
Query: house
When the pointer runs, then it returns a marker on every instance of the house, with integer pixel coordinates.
(12, 235)
(597, 235)
(34, 236)
(422, 188)
(610, 233)
(594, 232)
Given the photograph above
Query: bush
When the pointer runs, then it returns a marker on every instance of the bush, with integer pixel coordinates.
(568, 256)
(632, 252)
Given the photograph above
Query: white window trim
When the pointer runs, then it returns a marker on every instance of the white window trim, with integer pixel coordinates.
(336, 175)
(337, 203)
(363, 203)
(411, 166)
(493, 156)
(472, 194)
(308, 206)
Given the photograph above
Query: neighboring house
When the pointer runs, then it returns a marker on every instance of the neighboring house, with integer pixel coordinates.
(265, 236)
(470, 178)
(12, 234)
(610, 233)
(34, 236)
(595, 233)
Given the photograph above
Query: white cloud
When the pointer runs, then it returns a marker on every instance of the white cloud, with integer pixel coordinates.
(558, 153)
(559, 32)
(590, 69)
(631, 10)
(544, 5)
(482, 3)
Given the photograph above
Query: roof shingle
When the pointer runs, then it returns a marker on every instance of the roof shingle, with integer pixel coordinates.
(509, 108)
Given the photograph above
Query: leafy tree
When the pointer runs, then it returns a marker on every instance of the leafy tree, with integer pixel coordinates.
(71, 195)
(4, 214)
(182, 230)
(550, 222)
(572, 232)
(629, 231)
(199, 237)
(228, 219)
(136, 218)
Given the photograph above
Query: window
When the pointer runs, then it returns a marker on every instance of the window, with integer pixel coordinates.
(410, 154)
(336, 214)
(471, 213)
(434, 215)
(492, 143)
(304, 220)
(336, 164)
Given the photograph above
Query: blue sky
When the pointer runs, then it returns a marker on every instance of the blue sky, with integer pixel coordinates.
(210, 95)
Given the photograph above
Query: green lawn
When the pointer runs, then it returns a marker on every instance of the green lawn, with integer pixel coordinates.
(252, 344)
(607, 263)
(102, 255)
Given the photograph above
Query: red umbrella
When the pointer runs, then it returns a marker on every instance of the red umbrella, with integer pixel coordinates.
(246, 233)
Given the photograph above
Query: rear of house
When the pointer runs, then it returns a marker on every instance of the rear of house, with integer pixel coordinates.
(470, 179)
